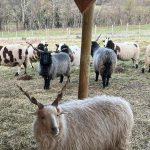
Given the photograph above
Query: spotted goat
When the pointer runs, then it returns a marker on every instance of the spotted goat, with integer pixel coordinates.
(18, 55)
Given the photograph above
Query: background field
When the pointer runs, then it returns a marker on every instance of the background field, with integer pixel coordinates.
(15, 118)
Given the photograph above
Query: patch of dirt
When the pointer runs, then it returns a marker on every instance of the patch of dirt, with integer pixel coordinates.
(25, 77)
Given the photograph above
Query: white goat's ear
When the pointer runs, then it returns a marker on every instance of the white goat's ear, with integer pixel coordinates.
(60, 111)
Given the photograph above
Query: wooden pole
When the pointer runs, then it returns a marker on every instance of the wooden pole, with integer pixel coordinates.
(85, 52)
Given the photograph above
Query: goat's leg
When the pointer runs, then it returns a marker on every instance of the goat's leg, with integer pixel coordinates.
(107, 81)
(68, 78)
(104, 81)
(136, 63)
(149, 68)
(19, 68)
(31, 64)
(97, 74)
(46, 82)
(133, 60)
(61, 79)
(25, 67)
(143, 68)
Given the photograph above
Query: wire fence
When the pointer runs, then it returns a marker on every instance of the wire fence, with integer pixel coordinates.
(75, 33)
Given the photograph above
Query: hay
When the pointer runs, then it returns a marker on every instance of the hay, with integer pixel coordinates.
(16, 121)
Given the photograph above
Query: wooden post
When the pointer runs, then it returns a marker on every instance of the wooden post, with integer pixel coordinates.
(85, 52)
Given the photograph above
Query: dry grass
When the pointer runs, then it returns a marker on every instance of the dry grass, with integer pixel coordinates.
(16, 120)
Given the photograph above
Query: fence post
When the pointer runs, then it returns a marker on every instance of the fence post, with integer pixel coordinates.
(112, 30)
(139, 30)
(95, 31)
(127, 29)
(25, 33)
(16, 34)
(32, 32)
(69, 31)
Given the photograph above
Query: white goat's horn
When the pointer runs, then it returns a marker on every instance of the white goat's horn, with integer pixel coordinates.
(36, 49)
(32, 99)
(60, 94)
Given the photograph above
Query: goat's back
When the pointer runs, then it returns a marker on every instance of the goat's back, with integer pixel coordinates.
(101, 122)
(102, 56)
(12, 53)
(128, 50)
(60, 63)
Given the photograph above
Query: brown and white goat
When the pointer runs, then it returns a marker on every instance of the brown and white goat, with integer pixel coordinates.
(17, 55)
(97, 123)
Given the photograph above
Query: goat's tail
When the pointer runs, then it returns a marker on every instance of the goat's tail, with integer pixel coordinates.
(107, 69)
(106, 73)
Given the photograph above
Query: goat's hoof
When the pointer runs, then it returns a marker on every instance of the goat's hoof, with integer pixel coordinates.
(46, 88)
(17, 74)
(136, 66)
(142, 70)
(149, 70)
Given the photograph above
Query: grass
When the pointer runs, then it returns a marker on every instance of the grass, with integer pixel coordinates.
(75, 31)
(15, 109)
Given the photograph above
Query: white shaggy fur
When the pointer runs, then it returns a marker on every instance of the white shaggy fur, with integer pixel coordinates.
(97, 123)
(76, 53)
(126, 51)
(147, 59)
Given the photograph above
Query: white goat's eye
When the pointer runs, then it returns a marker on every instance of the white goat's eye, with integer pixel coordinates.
(42, 117)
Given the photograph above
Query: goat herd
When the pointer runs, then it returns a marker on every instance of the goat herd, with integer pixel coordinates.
(97, 123)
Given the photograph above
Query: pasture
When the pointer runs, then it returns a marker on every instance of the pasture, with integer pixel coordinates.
(15, 109)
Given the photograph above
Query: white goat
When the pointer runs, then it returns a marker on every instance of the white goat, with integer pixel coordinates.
(147, 59)
(125, 50)
(76, 52)
(97, 123)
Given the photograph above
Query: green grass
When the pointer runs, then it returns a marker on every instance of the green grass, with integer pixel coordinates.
(73, 31)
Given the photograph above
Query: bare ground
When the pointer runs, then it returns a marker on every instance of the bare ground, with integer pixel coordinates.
(15, 109)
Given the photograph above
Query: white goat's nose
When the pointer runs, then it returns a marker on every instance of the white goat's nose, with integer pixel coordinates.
(55, 131)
